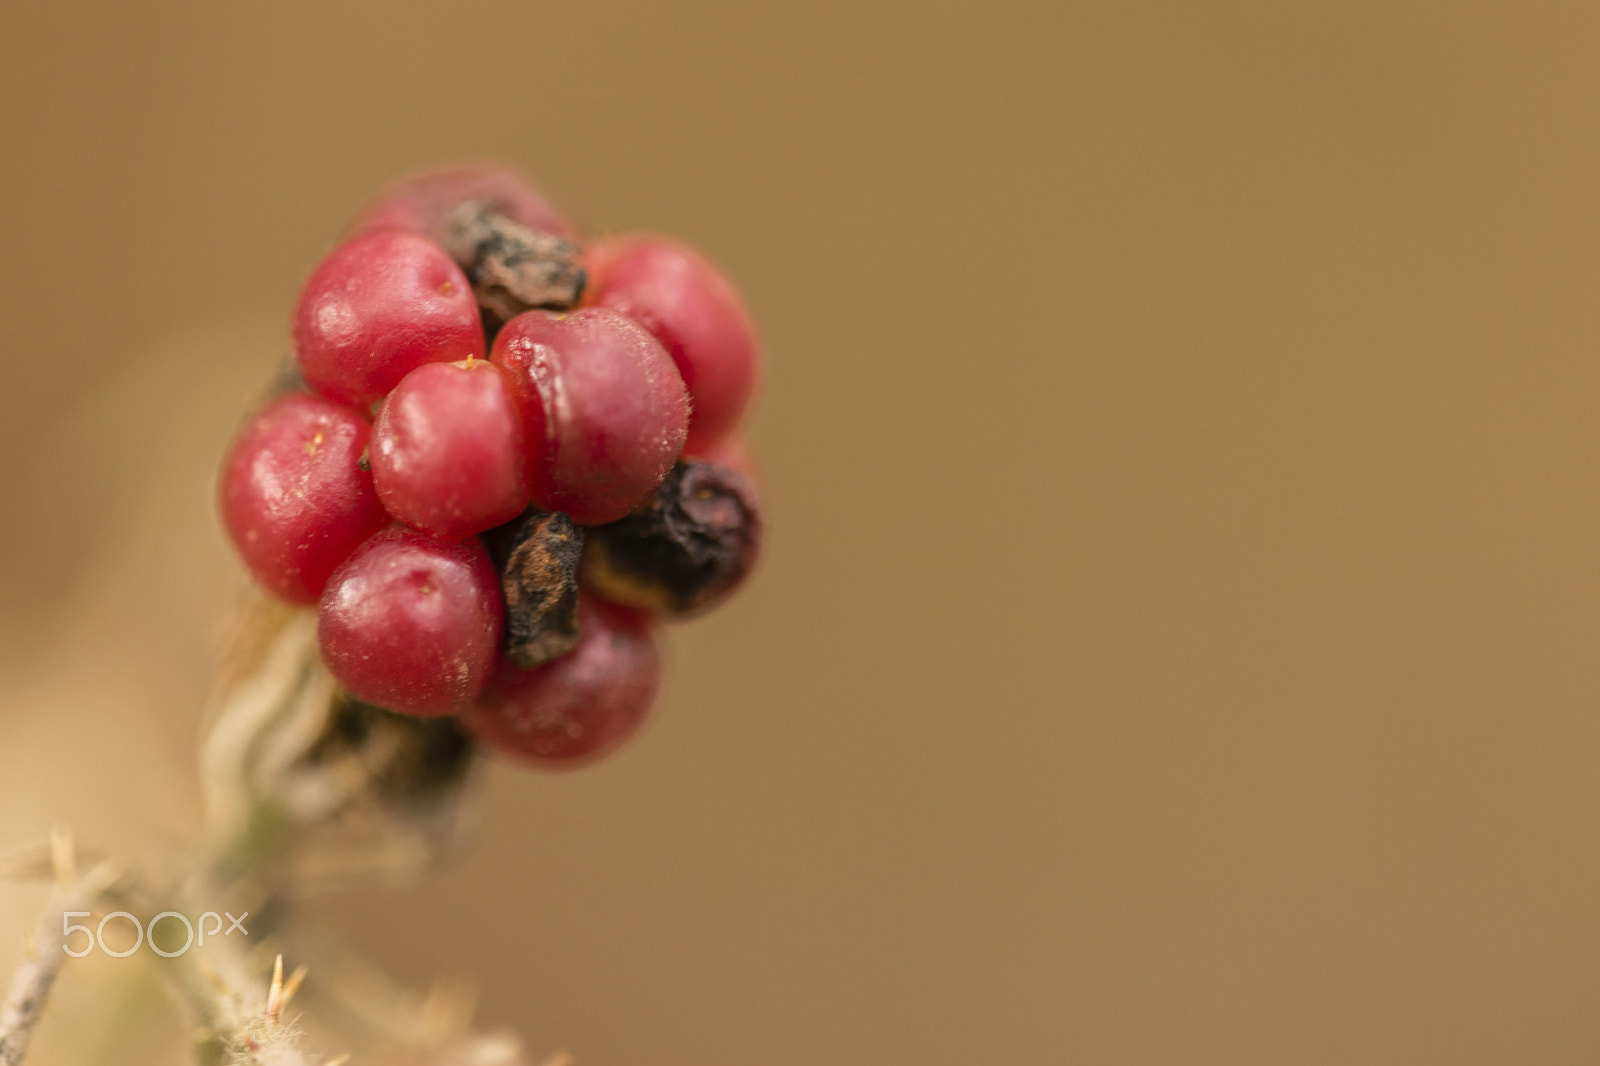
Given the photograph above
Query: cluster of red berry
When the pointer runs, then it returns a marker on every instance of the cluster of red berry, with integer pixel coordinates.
(506, 455)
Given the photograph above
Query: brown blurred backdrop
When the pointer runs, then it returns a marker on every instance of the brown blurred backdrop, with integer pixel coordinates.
(1177, 641)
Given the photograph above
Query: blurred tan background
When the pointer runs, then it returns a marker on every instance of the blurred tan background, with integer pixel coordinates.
(1178, 638)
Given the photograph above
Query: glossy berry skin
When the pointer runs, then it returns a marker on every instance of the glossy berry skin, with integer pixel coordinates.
(577, 708)
(605, 412)
(293, 497)
(412, 623)
(447, 450)
(424, 202)
(694, 311)
(380, 305)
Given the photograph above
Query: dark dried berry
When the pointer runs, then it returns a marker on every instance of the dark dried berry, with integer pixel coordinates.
(683, 550)
(513, 267)
(408, 760)
(539, 578)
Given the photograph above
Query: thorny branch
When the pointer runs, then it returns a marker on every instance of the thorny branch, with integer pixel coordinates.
(30, 987)
(305, 789)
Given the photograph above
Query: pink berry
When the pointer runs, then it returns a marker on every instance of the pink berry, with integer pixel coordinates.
(293, 496)
(696, 314)
(412, 623)
(447, 450)
(380, 305)
(605, 411)
(424, 202)
(581, 706)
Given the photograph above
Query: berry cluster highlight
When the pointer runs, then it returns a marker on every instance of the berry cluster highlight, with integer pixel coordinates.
(509, 456)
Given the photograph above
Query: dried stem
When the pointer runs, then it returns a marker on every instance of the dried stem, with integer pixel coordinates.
(30, 986)
(306, 788)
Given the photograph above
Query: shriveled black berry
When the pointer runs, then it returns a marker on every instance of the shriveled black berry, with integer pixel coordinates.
(407, 758)
(683, 550)
(513, 267)
(538, 561)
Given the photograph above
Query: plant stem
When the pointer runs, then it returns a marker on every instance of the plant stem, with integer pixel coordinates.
(30, 987)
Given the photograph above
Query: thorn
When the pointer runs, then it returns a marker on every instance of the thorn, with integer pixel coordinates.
(275, 992)
(63, 856)
(291, 986)
(101, 878)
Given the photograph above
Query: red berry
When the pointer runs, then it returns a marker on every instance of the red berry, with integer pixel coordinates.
(447, 450)
(379, 306)
(424, 202)
(579, 707)
(696, 314)
(605, 411)
(412, 623)
(293, 496)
